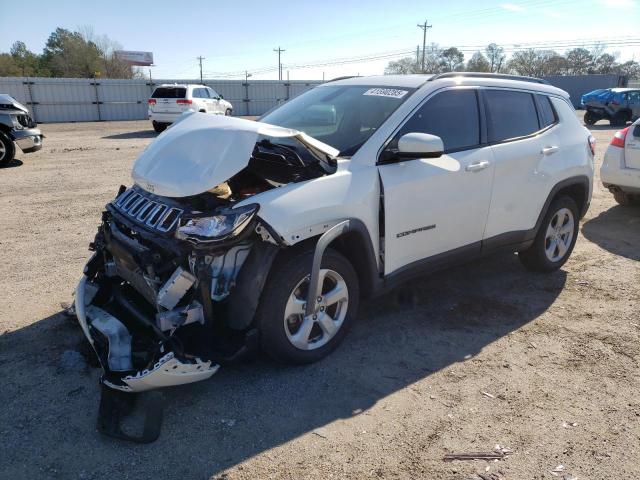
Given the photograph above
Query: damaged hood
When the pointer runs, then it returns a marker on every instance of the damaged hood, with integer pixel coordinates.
(201, 151)
(7, 102)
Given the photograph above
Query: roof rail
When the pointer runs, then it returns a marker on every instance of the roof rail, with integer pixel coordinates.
(488, 75)
(341, 78)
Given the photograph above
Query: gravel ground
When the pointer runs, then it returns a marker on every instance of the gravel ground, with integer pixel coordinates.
(486, 354)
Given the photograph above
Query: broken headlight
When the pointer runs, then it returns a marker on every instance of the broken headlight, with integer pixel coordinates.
(214, 228)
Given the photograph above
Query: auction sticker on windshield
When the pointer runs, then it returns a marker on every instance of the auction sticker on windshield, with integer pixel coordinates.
(386, 92)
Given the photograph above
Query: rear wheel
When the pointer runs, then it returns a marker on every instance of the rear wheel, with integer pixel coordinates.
(7, 150)
(555, 239)
(286, 334)
(159, 127)
(620, 119)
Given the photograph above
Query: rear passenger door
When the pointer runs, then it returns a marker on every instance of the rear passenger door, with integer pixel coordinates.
(520, 128)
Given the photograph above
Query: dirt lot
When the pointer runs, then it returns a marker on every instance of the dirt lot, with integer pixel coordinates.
(558, 356)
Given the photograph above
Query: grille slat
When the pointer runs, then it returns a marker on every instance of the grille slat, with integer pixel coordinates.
(146, 211)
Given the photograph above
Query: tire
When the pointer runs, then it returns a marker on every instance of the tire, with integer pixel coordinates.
(7, 150)
(590, 118)
(619, 119)
(626, 199)
(286, 283)
(159, 127)
(543, 255)
(227, 112)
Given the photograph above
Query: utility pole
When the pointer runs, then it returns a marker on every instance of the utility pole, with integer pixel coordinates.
(279, 50)
(424, 28)
(417, 55)
(200, 58)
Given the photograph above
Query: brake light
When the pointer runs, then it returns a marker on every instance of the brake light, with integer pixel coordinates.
(152, 101)
(592, 144)
(184, 101)
(619, 138)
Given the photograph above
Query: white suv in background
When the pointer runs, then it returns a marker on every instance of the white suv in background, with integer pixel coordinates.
(620, 171)
(239, 234)
(169, 101)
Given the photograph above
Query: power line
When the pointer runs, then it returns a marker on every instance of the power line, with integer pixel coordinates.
(508, 48)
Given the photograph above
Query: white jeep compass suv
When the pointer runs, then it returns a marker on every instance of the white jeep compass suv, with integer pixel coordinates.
(240, 234)
(169, 101)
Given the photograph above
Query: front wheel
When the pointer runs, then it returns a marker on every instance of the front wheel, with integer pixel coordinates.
(286, 334)
(555, 239)
(590, 118)
(7, 150)
(227, 112)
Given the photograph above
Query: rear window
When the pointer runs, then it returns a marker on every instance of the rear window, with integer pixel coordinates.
(169, 92)
(510, 115)
(547, 113)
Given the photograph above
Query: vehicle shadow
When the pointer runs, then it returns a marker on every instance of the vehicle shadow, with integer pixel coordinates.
(604, 126)
(131, 135)
(617, 230)
(50, 397)
(13, 163)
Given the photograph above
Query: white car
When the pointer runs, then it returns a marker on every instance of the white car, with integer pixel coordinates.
(240, 234)
(620, 171)
(169, 101)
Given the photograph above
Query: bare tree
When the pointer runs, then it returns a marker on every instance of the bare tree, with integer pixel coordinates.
(496, 57)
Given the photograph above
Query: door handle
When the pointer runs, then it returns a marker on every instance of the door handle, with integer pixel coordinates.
(476, 167)
(549, 150)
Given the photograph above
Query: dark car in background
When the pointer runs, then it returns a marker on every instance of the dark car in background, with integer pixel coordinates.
(17, 128)
(618, 105)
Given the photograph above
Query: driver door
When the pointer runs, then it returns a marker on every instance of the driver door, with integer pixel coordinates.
(436, 206)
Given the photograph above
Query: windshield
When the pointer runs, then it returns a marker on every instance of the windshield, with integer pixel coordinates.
(341, 116)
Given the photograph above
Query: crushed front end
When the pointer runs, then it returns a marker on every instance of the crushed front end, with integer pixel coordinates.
(153, 297)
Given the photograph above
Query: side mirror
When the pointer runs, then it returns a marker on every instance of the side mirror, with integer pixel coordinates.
(220, 97)
(420, 145)
(636, 131)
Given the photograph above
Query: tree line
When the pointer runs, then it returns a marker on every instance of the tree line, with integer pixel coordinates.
(77, 54)
(530, 62)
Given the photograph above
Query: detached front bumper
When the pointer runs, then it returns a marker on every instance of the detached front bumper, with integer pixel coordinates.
(29, 140)
(115, 354)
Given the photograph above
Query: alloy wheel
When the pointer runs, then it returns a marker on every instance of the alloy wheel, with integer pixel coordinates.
(316, 330)
(559, 235)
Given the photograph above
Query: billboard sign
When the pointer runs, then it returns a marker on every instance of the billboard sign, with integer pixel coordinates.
(142, 59)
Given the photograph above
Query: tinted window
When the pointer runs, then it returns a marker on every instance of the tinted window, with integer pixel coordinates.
(451, 115)
(169, 92)
(547, 112)
(343, 116)
(213, 93)
(510, 115)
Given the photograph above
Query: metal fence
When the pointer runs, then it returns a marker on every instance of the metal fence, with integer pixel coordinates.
(87, 99)
(578, 85)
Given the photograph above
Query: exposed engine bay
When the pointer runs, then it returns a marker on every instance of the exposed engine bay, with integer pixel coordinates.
(174, 282)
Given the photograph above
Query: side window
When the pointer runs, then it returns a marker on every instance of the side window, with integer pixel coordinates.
(205, 92)
(510, 115)
(196, 93)
(213, 93)
(452, 115)
(547, 113)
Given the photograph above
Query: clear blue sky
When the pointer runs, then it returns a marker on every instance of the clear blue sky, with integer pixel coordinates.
(239, 35)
